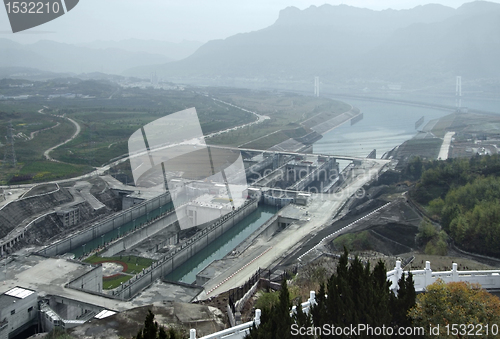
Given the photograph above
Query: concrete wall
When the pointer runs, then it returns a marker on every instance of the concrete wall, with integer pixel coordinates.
(49, 319)
(271, 228)
(183, 252)
(201, 216)
(90, 281)
(20, 314)
(106, 225)
(70, 309)
(134, 238)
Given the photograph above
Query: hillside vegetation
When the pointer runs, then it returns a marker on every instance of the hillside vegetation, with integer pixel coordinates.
(464, 195)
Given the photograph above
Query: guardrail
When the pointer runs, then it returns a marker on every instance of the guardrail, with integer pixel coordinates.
(489, 279)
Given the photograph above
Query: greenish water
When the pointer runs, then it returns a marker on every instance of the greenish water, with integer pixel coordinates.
(222, 245)
(120, 231)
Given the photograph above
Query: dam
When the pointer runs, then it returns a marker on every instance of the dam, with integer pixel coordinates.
(222, 245)
(109, 228)
(151, 228)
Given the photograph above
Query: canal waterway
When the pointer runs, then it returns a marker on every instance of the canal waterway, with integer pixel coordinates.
(120, 231)
(223, 245)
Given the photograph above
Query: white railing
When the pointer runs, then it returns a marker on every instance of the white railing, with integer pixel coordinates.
(239, 331)
(422, 278)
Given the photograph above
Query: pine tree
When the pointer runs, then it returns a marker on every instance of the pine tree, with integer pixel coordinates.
(302, 319)
(150, 327)
(152, 330)
(275, 321)
(404, 301)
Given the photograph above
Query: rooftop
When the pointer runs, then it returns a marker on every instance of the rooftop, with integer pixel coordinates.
(13, 295)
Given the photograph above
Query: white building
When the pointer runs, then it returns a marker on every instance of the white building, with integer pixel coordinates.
(18, 311)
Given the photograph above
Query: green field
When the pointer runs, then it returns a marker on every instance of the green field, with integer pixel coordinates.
(134, 264)
(42, 171)
(115, 281)
(33, 134)
(287, 112)
(108, 121)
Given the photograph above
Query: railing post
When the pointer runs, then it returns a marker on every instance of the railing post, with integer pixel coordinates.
(428, 274)
(312, 297)
(454, 272)
(399, 272)
(192, 334)
(257, 317)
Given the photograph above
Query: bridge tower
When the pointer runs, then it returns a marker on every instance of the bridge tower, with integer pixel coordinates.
(316, 86)
(458, 93)
(10, 152)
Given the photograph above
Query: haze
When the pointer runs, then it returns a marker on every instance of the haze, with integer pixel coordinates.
(175, 21)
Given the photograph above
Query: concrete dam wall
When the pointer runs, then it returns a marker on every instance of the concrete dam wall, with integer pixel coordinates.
(106, 225)
(183, 252)
(134, 238)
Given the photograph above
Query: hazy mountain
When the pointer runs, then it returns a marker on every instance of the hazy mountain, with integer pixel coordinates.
(29, 73)
(344, 44)
(171, 50)
(59, 57)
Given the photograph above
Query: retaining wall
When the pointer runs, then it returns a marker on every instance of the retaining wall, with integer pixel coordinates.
(72, 309)
(104, 226)
(139, 235)
(183, 252)
(90, 281)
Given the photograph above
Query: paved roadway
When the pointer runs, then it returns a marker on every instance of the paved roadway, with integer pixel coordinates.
(262, 253)
(445, 147)
(327, 232)
(78, 129)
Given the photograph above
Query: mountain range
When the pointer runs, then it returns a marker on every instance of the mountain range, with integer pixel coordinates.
(101, 56)
(347, 47)
(344, 45)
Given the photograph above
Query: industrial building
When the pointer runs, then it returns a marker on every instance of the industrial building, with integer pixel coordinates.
(18, 311)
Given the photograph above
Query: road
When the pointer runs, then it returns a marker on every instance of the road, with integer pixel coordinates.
(102, 169)
(445, 147)
(328, 233)
(78, 129)
(47, 152)
(260, 119)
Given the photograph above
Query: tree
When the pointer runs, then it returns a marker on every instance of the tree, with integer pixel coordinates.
(152, 330)
(356, 295)
(275, 320)
(302, 319)
(455, 303)
(359, 295)
(404, 301)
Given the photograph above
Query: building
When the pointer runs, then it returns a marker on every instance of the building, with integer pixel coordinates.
(18, 311)
(69, 217)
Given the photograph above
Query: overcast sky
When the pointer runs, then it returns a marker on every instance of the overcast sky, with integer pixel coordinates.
(177, 20)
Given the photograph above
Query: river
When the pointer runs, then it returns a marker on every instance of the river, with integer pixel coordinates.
(387, 125)
(222, 245)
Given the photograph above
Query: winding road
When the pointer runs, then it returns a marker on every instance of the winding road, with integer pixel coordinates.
(46, 154)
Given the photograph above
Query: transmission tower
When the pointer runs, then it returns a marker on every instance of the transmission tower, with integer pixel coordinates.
(10, 152)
